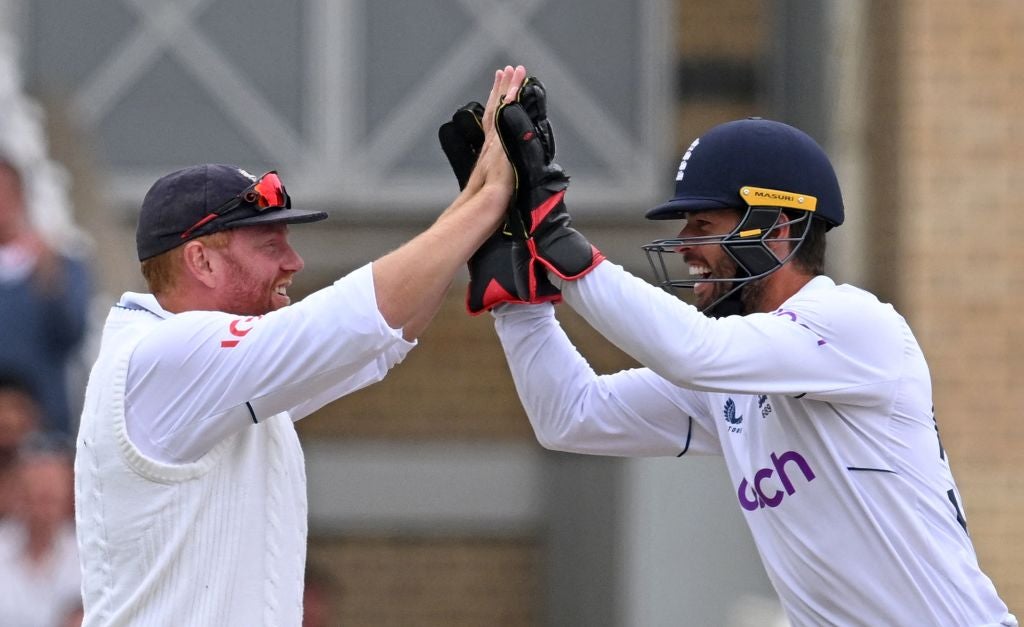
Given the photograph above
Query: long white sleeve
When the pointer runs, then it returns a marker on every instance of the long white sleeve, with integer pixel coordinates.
(806, 347)
(571, 408)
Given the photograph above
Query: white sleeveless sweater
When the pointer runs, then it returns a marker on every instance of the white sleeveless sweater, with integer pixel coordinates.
(237, 516)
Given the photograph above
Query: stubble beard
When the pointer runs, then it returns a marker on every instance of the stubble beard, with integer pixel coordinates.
(246, 296)
(752, 295)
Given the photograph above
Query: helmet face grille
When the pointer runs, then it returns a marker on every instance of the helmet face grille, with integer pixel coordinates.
(746, 245)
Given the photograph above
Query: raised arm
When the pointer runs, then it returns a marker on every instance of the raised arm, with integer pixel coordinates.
(411, 281)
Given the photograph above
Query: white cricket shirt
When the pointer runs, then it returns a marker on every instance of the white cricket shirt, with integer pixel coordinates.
(823, 412)
(190, 486)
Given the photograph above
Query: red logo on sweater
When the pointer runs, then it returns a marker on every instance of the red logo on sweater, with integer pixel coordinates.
(239, 327)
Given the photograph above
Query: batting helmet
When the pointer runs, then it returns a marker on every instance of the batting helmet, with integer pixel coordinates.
(763, 168)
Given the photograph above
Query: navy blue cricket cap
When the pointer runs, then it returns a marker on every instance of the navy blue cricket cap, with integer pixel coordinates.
(753, 152)
(178, 201)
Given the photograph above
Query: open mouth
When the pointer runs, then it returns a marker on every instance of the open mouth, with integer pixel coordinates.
(281, 290)
(701, 289)
(703, 272)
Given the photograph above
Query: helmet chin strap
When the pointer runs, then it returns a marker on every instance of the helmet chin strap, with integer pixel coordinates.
(747, 245)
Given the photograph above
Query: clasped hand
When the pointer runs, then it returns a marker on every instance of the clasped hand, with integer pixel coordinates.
(509, 143)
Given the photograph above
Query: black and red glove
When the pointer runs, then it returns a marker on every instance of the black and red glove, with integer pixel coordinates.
(462, 139)
(542, 235)
(491, 281)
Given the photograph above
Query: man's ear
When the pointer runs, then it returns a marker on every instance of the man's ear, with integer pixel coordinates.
(196, 258)
(781, 231)
(782, 226)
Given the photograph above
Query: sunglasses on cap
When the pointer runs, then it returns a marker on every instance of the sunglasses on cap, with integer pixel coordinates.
(266, 193)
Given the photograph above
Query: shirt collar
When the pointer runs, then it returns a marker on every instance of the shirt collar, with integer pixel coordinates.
(143, 302)
(818, 283)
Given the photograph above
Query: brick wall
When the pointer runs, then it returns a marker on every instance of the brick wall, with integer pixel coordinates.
(961, 147)
(449, 582)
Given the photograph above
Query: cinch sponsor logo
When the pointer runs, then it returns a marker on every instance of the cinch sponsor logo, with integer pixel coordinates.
(775, 196)
(760, 492)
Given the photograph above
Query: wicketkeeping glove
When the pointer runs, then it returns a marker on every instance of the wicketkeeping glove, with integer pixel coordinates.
(543, 238)
(462, 138)
(490, 268)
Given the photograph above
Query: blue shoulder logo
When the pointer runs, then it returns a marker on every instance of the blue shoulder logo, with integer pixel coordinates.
(730, 413)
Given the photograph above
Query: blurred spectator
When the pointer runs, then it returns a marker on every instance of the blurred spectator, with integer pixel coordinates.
(74, 617)
(40, 580)
(19, 417)
(44, 298)
(318, 597)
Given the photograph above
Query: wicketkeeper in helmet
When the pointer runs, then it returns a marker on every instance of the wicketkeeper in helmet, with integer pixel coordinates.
(816, 394)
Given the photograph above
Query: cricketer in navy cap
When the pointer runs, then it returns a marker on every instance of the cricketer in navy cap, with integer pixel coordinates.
(179, 201)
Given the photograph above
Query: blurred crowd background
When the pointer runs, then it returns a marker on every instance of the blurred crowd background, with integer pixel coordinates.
(430, 501)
